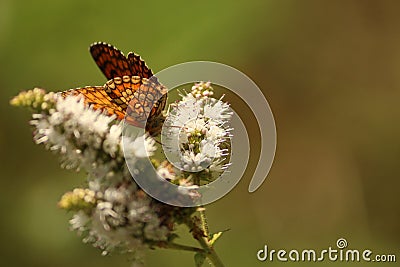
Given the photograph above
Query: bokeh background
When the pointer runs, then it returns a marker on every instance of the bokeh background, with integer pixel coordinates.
(329, 69)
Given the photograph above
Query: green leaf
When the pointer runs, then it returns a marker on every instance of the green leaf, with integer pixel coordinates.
(199, 259)
(172, 237)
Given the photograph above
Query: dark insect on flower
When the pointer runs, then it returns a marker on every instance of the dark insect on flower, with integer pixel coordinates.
(131, 92)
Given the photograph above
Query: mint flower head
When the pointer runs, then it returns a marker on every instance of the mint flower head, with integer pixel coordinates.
(196, 132)
(111, 212)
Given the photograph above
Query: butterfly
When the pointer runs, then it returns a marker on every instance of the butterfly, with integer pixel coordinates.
(131, 92)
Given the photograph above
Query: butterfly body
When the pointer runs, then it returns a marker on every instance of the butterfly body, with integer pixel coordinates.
(131, 92)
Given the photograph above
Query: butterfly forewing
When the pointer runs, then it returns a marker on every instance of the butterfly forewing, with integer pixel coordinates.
(110, 60)
(138, 66)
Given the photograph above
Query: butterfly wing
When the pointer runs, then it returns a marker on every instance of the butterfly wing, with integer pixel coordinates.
(113, 62)
(137, 96)
(96, 97)
(110, 60)
(131, 92)
(138, 66)
(138, 100)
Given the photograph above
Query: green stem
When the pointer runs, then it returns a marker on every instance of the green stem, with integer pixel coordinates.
(199, 235)
(204, 223)
(202, 210)
(203, 235)
(211, 255)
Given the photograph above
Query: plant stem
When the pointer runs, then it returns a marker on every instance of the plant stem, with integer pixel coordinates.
(203, 235)
(202, 210)
(199, 235)
(212, 255)
(203, 218)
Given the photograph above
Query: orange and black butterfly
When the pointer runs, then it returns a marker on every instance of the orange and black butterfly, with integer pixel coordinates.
(131, 92)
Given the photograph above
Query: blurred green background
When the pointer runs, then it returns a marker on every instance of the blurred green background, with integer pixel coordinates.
(329, 69)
